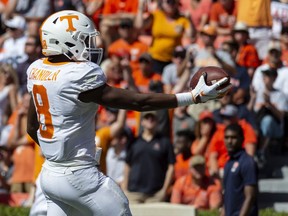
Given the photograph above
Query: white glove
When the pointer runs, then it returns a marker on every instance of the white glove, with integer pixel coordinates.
(203, 93)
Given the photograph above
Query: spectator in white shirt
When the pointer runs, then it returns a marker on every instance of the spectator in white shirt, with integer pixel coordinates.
(13, 48)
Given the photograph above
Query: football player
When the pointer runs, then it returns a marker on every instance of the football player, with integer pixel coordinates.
(66, 87)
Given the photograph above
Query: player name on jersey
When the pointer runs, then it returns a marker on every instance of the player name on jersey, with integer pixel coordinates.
(43, 75)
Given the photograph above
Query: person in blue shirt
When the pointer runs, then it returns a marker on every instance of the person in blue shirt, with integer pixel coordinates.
(240, 177)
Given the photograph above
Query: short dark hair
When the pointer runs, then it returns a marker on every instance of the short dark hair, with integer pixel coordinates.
(233, 45)
(126, 22)
(186, 133)
(270, 72)
(236, 128)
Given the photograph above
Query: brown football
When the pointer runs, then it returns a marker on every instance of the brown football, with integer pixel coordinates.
(213, 75)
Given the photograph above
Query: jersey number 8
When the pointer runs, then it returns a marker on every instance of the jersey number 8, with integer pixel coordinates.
(42, 104)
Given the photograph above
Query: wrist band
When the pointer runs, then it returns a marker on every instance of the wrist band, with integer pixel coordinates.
(184, 99)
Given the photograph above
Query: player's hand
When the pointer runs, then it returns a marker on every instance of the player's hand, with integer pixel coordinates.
(203, 92)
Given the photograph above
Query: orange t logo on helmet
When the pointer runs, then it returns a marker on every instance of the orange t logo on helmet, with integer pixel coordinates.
(70, 23)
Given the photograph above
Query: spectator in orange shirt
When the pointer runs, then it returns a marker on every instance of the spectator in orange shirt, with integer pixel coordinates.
(196, 188)
(182, 145)
(148, 81)
(204, 131)
(120, 8)
(199, 12)
(247, 54)
(223, 17)
(128, 43)
(146, 74)
(118, 72)
(218, 152)
(113, 12)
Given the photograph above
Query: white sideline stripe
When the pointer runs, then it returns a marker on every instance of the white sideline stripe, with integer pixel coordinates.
(162, 209)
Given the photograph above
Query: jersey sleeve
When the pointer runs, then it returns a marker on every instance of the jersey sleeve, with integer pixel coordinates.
(29, 81)
(89, 79)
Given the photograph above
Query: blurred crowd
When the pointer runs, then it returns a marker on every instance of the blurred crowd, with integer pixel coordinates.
(179, 155)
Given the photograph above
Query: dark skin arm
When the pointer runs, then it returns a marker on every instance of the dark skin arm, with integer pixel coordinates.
(128, 100)
(32, 122)
(250, 195)
(111, 97)
(106, 95)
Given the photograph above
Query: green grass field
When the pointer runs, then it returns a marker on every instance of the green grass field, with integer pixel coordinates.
(263, 212)
(9, 211)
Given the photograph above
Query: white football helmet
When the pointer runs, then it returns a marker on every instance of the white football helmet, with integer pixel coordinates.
(70, 33)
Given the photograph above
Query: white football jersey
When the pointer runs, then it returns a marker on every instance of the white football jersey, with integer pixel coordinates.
(67, 125)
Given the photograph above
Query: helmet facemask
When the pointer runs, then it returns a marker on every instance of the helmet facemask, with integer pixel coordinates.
(90, 52)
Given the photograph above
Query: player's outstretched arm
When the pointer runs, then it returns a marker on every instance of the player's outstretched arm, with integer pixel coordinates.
(131, 100)
(124, 99)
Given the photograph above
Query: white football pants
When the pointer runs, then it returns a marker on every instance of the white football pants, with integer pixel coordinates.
(84, 192)
(39, 207)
